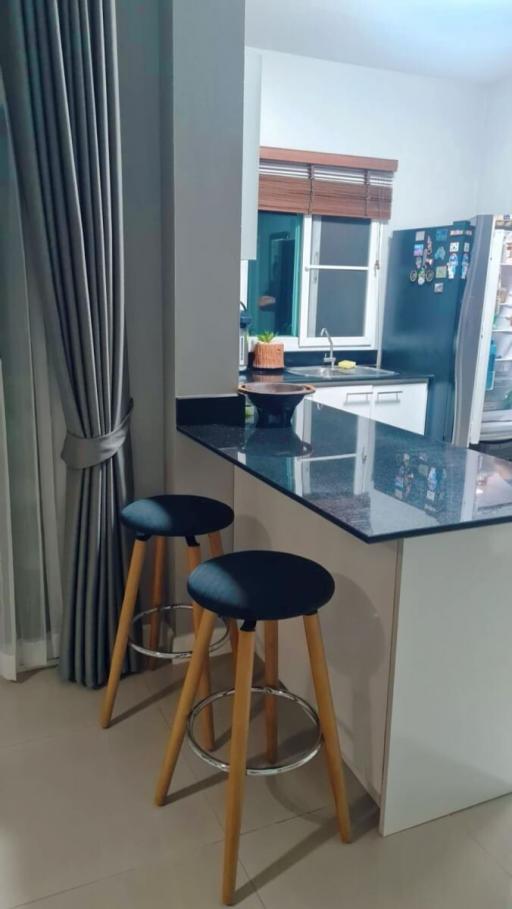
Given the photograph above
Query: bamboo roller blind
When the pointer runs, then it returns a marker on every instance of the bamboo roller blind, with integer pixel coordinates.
(323, 184)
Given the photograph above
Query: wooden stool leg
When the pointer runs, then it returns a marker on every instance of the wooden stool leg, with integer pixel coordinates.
(157, 594)
(123, 630)
(186, 700)
(206, 719)
(271, 679)
(233, 637)
(237, 762)
(328, 724)
(217, 550)
(215, 542)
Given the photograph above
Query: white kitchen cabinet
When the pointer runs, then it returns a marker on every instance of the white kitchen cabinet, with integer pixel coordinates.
(251, 153)
(400, 404)
(355, 398)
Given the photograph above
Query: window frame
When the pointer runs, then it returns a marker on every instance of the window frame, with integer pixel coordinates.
(369, 337)
(304, 341)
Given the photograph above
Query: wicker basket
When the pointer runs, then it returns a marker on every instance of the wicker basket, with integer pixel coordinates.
(268, 355)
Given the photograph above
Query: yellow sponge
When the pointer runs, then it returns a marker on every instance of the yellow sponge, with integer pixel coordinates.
(347, 364)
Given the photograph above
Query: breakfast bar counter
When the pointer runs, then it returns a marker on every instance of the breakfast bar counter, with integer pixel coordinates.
(418, 536)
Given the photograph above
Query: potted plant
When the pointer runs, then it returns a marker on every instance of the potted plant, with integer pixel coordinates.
(268, 354)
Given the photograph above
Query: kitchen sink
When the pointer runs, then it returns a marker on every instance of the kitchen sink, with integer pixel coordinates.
(336, 372)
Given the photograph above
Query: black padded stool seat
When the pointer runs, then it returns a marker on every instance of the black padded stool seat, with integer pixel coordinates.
(259, 585)
(176, 516)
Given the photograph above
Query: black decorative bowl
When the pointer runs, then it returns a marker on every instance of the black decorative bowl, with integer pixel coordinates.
(275, 402)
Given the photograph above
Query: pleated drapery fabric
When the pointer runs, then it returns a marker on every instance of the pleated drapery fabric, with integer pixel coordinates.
(59, 59)
(30, 581)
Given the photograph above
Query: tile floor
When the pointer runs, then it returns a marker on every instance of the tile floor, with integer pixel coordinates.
(78, 829)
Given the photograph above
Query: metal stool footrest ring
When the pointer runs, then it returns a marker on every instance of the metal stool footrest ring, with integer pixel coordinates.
(167, 612)
(282, 767)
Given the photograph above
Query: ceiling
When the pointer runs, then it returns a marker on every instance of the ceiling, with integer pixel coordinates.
(463, 39)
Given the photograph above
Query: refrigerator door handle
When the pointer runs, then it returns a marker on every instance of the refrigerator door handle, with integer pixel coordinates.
(471, 329)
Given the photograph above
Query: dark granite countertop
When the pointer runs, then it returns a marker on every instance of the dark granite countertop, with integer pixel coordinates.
(374, 481)
(345, 378)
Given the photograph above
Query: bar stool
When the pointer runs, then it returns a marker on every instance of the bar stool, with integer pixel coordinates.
(165, 516)
(254, 586)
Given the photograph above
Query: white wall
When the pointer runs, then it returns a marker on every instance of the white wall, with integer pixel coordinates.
(208, 69)
(138, 44)
(432, 126)
(251, 153)
(208, 116)
(181, 87)
(495, 191)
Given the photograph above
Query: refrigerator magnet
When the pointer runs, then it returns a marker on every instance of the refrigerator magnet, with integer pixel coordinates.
(464, 266)
(453, 264)
(418, 249)
(454, 247)
(440, 253)
(421, 276)
(429, 275)
(441, 234)
(420, 235)
(466, 247)
(456, 233)
(418, 261)
(439, 287)
(428, 252)
(413, 275)
(441, 272)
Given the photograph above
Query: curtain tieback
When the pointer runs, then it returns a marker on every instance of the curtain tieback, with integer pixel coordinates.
(80, 452)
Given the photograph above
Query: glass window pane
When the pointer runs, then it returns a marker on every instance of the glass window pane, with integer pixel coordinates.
(337, 302)
(273, 286)
(340, 241)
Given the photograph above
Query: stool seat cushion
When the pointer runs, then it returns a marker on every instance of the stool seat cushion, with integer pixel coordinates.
(255, 585)
(176, 516)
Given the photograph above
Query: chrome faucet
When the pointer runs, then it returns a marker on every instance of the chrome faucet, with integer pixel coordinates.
(331, 359)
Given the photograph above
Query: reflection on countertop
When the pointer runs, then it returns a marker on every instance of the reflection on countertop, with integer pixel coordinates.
(373, 480)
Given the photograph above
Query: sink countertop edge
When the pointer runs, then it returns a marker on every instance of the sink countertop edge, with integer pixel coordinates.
(251, 375)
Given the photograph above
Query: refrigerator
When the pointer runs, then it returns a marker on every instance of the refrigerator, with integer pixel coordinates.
(448, 315)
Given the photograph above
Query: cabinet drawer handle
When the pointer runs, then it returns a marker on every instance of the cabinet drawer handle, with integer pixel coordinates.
(357, 395)
(382, 395)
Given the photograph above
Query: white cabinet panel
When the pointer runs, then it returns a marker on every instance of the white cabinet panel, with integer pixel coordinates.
(357, 624)
(354, 398)
(404, 406)
(449, 740)
(401, 405)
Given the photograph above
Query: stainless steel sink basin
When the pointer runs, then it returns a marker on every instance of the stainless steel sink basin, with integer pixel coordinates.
(335, 372)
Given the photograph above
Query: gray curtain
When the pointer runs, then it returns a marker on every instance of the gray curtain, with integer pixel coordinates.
(59, 59)
(31, 592)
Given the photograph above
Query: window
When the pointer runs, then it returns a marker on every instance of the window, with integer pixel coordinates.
(339, 281)
(318, 246)
(314, 272)
(274, 278)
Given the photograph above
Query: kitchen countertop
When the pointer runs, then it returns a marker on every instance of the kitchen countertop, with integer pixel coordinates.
(346, 378)
(373, 480)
